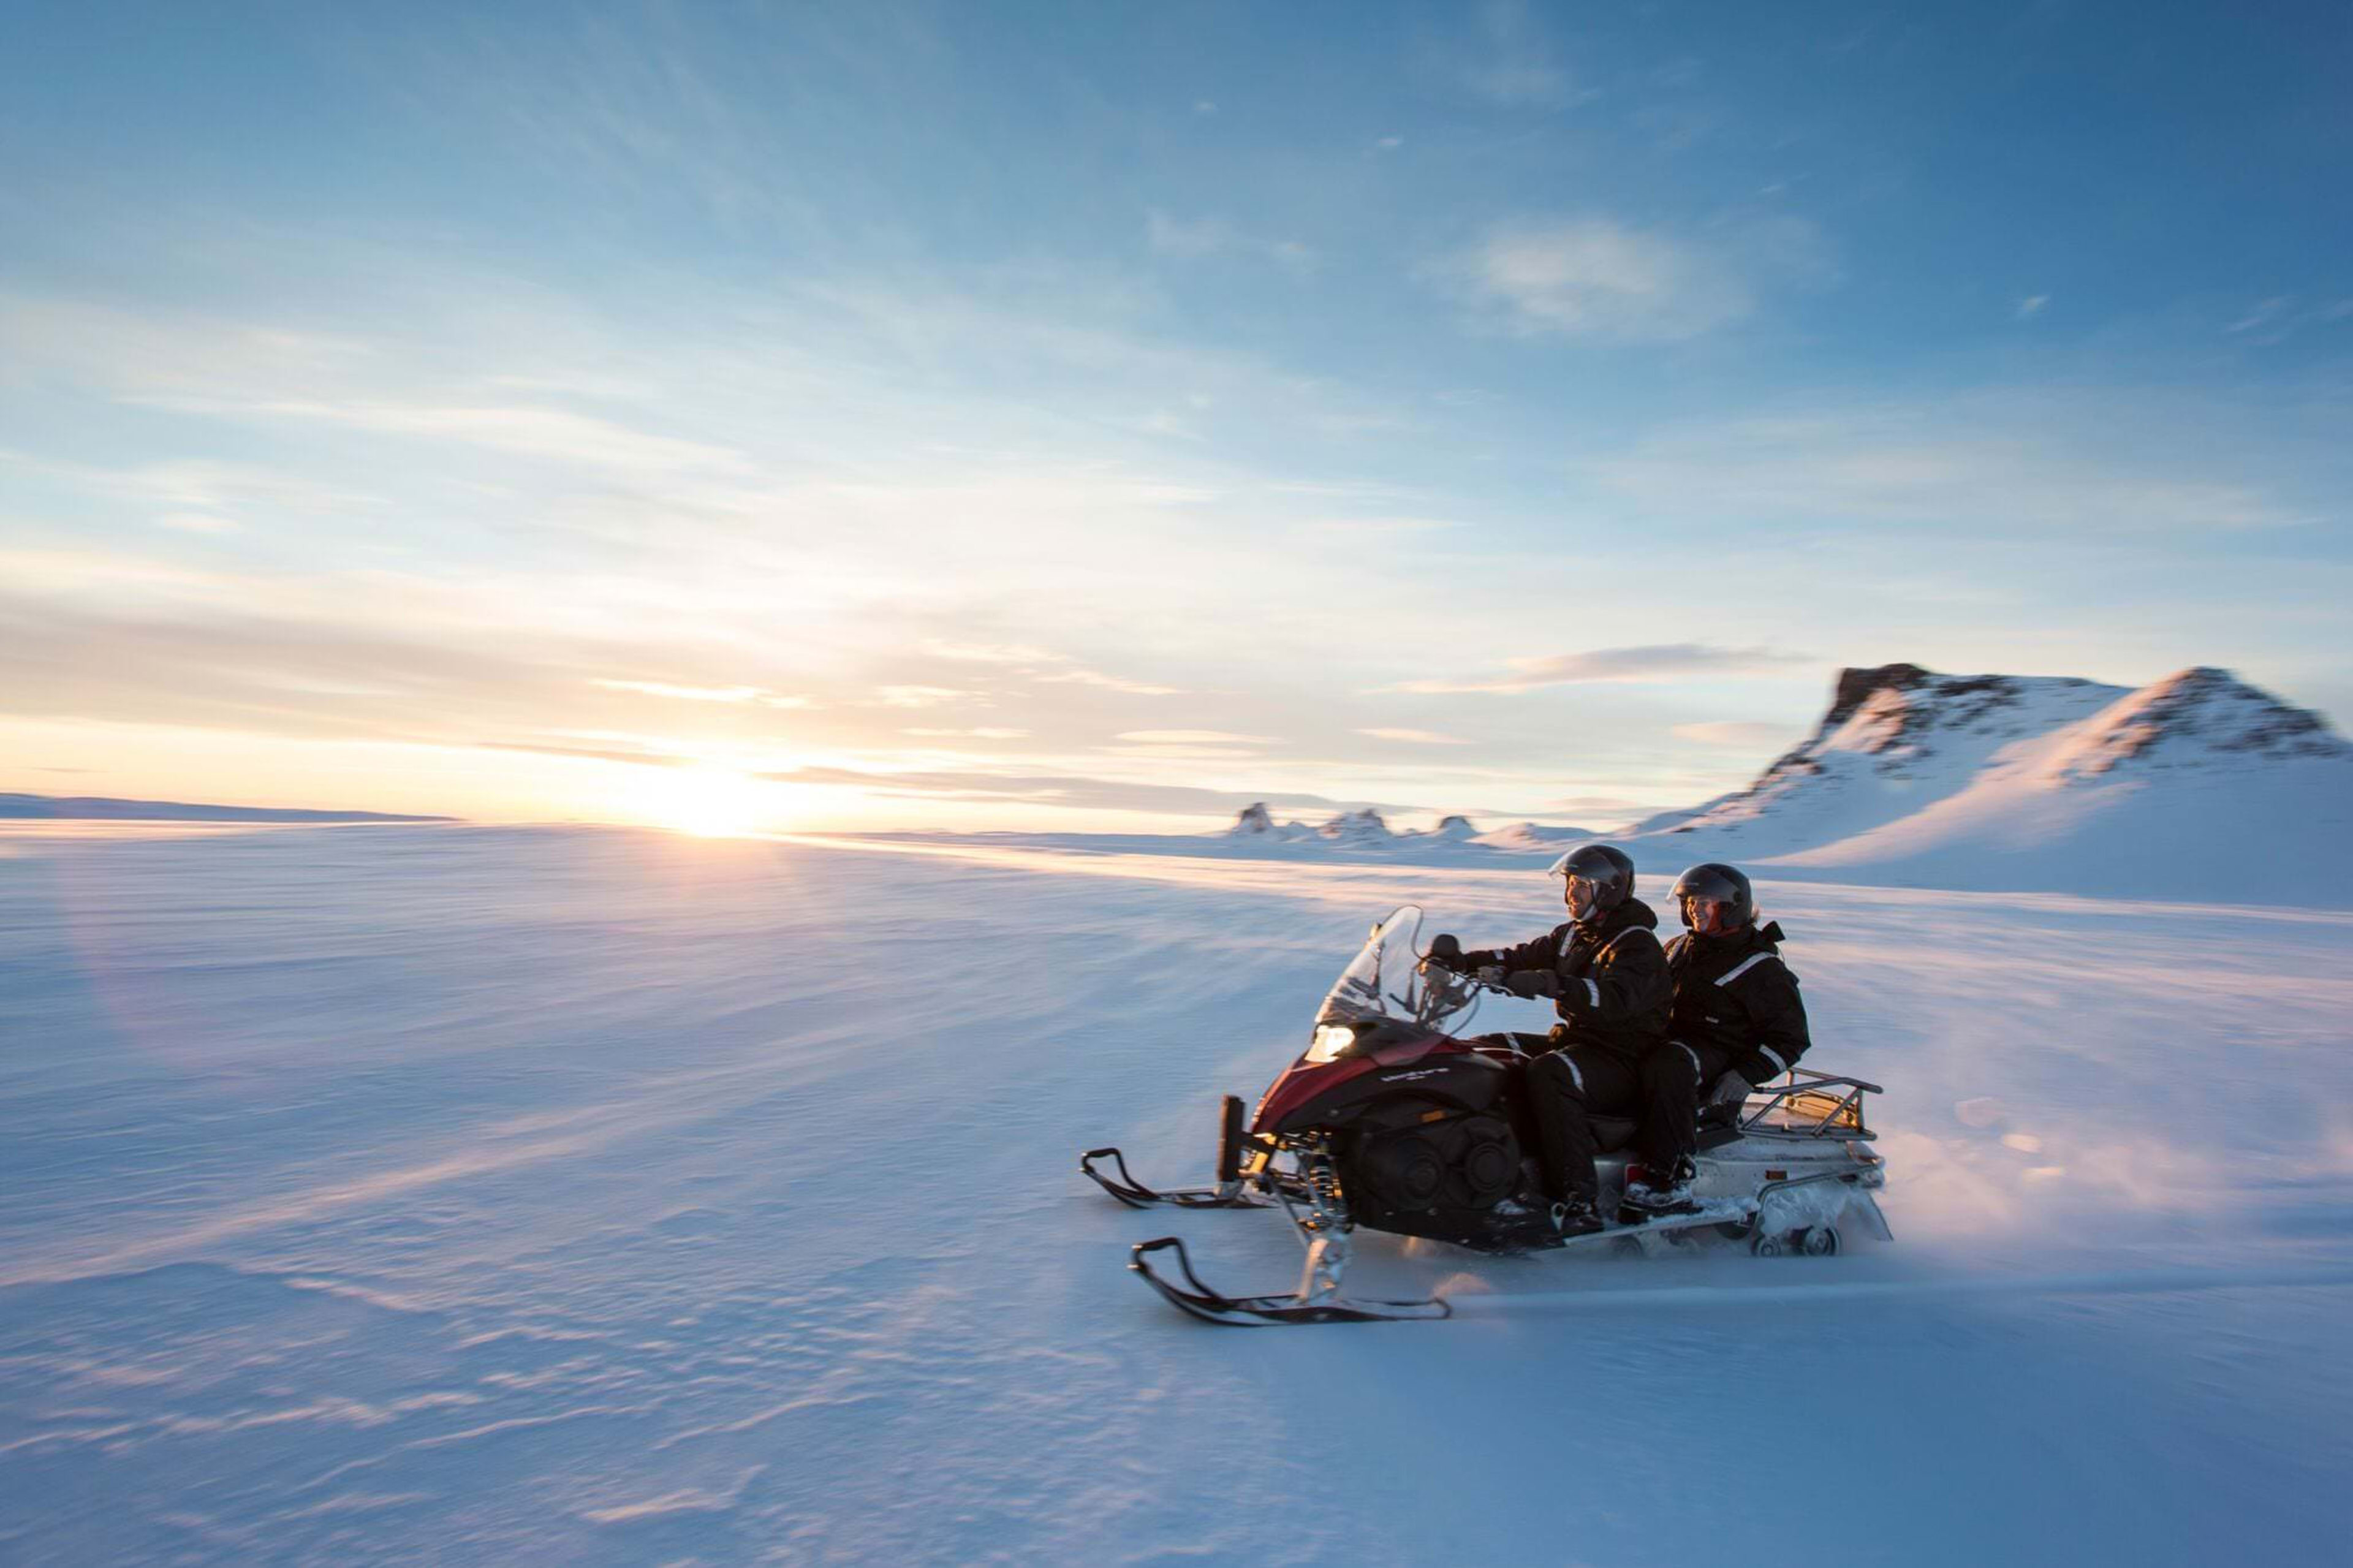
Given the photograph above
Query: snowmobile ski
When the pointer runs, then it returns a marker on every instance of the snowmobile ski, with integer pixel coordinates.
(1120, 1184)
(1267, 1311)
(1232, 1191)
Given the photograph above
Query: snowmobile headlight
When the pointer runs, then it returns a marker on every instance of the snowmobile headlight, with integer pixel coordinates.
(1332, 1042)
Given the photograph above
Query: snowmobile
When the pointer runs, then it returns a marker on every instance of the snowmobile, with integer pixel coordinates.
(1394, 1120)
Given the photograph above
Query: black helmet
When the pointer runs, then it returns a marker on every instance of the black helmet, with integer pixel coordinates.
(1715, 883)
(1603, 871)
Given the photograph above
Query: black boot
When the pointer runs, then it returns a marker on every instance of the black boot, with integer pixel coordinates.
(1665, 1191)
(1576, 1217)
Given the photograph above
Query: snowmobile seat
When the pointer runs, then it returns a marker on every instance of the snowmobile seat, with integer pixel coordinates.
(1611, 1133)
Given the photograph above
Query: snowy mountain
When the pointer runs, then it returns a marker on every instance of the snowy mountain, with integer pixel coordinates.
(1254, 821)
(1895, 738)
(1534, 839)
(1357, 828)
(2196, 786)
(1367, 831)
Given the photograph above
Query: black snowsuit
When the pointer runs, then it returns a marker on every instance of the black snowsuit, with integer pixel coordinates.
(1737, 1008)
(1609, 984)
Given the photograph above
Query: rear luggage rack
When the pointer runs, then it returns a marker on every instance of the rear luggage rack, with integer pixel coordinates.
(1809, 1105)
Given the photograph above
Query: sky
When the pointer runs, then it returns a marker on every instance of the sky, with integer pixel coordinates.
(1101, 416)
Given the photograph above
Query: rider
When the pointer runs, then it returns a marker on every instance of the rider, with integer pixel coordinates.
(1738, 1021)
(1608, 978)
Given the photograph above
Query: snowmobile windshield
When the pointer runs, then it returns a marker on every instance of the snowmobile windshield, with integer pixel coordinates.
(1387, 983)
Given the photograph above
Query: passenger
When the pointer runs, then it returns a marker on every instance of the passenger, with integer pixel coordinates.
(1607, 976)
(1738, 1021)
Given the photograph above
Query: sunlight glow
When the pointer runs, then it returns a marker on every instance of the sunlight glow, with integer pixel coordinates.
(709, 803)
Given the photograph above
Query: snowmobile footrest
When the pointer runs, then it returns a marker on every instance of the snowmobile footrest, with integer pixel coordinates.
(1265, 1311)
(1123, 1187)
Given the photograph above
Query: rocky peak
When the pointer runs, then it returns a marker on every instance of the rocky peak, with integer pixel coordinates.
(1253, 818)
(1897, 713)
(1356, 826)
(2198, 716)
(1454, 826)
(1855, 685)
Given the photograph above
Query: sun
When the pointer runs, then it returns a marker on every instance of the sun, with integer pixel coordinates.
(709, 803)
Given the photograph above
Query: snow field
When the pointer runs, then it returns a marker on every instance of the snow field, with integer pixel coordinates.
(451, 1193)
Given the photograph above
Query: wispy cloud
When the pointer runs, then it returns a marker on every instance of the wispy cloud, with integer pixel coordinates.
(1204, 237)
(1193, 738)
(926, 696)
(1663, 661)
(989, 653)
(703, 693)
(552, 433)
(1076, 791)
(1597, 277)
(2031, 306)
(978, 732)
(1107, 683)
(2103, 461)
(1414, 737)
(1514, 63)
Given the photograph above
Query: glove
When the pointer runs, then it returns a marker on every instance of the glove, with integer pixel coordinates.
(1533, 982)
(1490, 975)
(1445, 952)
(1730, 1089)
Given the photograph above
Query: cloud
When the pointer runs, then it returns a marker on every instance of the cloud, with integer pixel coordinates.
(1108, 683)
(2031, 306)
(991, 653)
(1738, 735)
(2276, 320)
(1193, 738)
(682, 693)
(1414, 737)
(1066, 790)
(547, 434)
(588, 753)
(2264, 315)
(980, 733)
(1663, 661)
(1997, 461)
(202, 496)
(1206, 236)
(1593, 277)
(926, 696)
(1514, 66)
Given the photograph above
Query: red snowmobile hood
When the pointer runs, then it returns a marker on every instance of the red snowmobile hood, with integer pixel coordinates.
(1303, 1081)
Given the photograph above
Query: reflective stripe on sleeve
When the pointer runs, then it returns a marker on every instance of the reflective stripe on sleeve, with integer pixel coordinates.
(1691, 1053)
(1574, 1077)
(1593, 994)
(1743, 967)
(1770, 1054)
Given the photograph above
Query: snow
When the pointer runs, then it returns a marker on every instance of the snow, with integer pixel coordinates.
(448, 1193)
